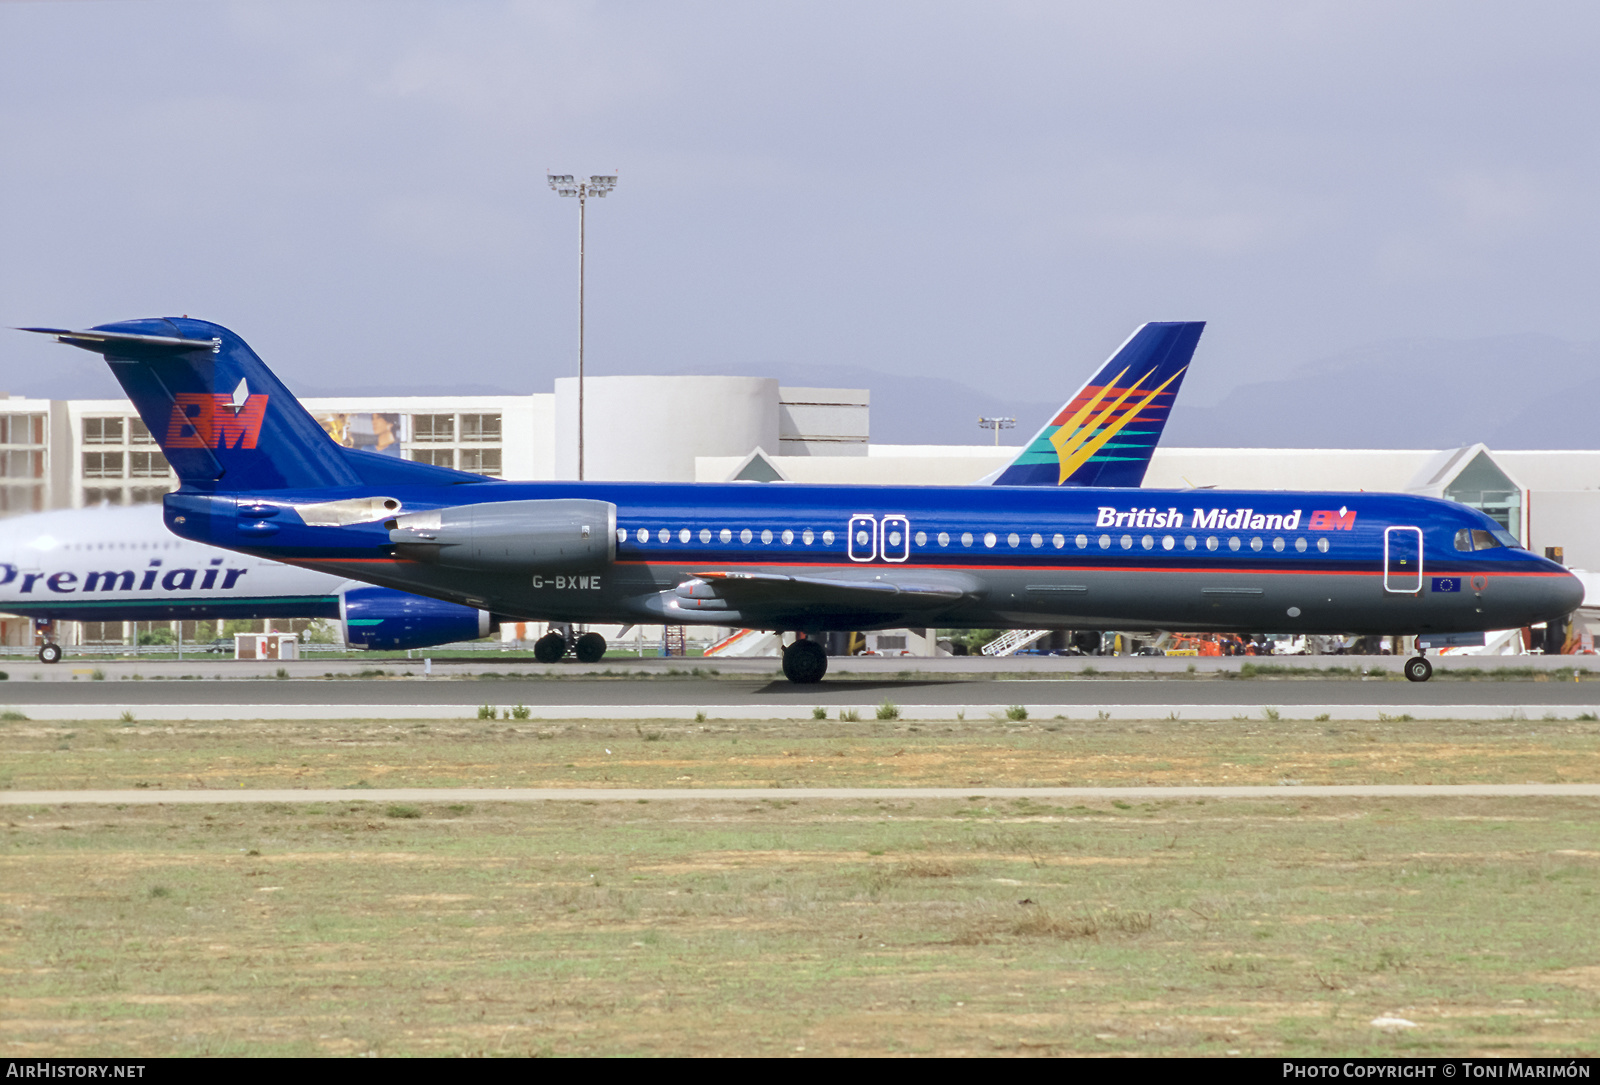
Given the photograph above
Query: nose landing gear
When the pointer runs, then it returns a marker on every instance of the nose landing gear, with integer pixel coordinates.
(1418, 669)
(50, 653)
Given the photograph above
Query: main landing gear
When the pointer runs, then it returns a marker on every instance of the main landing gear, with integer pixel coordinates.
(804, 662)
(50, 653)
(590, 648)
(552, 648)
(1418, 669)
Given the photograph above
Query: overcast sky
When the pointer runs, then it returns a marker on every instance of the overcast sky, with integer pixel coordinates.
(996, 193)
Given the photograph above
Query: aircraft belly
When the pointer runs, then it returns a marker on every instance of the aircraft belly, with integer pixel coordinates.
(1212, 601)
(1218, 602)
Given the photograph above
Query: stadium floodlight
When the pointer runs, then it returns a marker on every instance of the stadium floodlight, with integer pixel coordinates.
(565, 184)
(996, 424)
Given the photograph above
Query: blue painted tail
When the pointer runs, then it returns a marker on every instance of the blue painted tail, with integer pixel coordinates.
(224, 421)
(1105, 434)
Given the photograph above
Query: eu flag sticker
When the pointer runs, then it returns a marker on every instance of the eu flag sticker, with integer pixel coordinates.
(1447, 583)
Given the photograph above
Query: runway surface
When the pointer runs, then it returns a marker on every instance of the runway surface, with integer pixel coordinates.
(758, 794)
(715, 692)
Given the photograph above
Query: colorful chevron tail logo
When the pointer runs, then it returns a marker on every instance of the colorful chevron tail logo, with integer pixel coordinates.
(1092, 426)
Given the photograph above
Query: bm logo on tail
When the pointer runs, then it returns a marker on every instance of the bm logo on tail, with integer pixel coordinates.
(212, 420)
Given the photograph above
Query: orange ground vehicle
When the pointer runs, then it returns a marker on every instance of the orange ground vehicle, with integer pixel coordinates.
(1213, 644)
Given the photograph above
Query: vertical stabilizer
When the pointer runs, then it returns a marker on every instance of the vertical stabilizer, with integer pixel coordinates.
(1105, 434)
(223, 419)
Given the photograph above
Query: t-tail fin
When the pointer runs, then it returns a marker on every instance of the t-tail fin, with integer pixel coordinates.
(1104, 435)
(224, 421)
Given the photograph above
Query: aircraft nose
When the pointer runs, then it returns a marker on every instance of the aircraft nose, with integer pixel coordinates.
(1529, 600)
(1546, 598)
(1568, 594)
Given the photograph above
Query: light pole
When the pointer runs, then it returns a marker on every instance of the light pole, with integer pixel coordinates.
(996, 424)
(564, 184)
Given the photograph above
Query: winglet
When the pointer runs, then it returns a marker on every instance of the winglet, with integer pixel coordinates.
(1105, 434)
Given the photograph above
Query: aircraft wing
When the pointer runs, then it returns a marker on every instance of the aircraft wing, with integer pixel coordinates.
(880, 591)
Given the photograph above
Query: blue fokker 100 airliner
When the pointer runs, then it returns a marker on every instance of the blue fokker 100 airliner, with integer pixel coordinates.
(259, 475)
(64, 564)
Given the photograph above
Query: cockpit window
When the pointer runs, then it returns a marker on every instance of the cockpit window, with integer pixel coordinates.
(1468, 539)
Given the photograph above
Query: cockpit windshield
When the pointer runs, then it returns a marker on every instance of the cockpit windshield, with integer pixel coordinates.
(1469, 539)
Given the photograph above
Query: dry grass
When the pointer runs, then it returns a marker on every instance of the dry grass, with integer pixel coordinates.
(773, 928)
(783, 927)
(362, 753)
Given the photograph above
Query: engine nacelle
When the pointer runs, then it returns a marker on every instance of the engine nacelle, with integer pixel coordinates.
(558, 535)
(382, 618)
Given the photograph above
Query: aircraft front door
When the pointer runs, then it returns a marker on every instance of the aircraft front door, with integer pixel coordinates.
(896, 532)
(863, 543)
(1402, 560)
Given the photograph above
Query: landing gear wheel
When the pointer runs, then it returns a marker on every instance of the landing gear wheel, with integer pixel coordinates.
(550, 648)
(591, 648)
(1418, 669)
(50, 653)
(804, 662)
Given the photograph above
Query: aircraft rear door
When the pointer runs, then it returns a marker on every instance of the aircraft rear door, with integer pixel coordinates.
(1402, 560)
(896, 538)
(863, 539)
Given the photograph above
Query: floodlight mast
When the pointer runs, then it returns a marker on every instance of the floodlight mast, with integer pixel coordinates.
(564, 184)
(996, 424)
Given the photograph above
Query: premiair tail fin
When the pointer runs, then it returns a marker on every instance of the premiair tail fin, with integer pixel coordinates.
(224, 421)
(1104, 435)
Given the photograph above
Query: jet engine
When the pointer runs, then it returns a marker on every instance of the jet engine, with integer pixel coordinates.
(382, 618)
(557, 535)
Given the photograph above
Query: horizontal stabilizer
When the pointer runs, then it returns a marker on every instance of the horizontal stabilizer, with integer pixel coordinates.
(116, 344)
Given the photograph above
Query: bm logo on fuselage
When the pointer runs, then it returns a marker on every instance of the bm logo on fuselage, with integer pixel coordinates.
(1328, 520)
(208, 420)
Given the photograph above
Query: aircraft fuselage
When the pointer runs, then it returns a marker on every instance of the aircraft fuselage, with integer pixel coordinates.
(814, 558)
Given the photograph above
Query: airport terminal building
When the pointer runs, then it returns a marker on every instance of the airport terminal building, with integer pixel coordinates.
(59, 454)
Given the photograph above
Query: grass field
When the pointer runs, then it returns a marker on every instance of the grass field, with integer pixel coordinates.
(1260, 928)
(521, 753)
(1267, 927)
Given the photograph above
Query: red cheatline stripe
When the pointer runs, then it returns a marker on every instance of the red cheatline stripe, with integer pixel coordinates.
(1246, 571)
